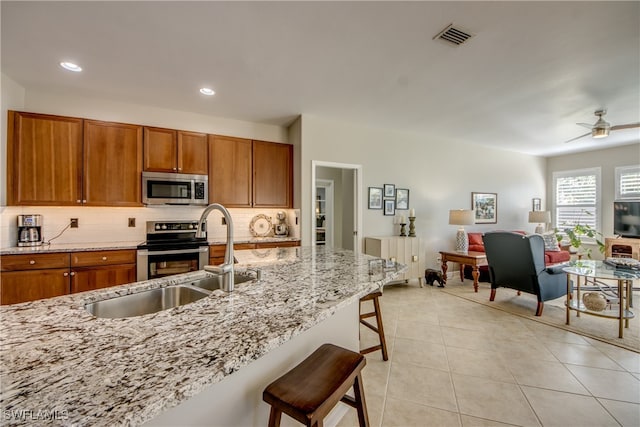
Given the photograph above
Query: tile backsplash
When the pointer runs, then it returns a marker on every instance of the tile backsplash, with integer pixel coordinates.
(100, 224)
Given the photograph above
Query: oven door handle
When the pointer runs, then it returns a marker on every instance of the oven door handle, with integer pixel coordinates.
(146, 252)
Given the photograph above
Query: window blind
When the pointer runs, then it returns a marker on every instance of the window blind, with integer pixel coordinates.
(627, 182)
(576, 198)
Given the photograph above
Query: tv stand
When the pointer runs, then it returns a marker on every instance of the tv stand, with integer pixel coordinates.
(622, 247)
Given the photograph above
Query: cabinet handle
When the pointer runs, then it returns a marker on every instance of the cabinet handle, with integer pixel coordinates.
(84, 201)
(78, 201)
(104, 258)
(175, 169)
(66, 274)
(179, 169)
(31, 261)
(73, 273)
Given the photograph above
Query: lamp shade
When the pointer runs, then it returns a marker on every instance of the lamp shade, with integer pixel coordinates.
(462, 217)
(539, 217)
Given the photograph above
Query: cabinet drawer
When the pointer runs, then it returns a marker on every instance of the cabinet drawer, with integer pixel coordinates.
(95, 258)
(34, 261)
(287, 244)
(216, 251)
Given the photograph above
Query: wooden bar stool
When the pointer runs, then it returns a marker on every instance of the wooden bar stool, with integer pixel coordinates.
(379, 329)
(309, 391)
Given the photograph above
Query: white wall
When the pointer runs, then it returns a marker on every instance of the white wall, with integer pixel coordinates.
(440, 176)
(607, 160)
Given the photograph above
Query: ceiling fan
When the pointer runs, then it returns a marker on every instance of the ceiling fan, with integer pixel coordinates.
(601, 128)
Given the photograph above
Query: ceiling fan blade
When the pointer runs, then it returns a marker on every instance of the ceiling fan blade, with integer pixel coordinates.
(627, 126)
(587, 125)
(578, 137)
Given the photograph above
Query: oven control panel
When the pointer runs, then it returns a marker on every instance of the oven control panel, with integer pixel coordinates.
(159, 227)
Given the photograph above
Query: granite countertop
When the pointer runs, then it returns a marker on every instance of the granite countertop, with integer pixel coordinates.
(57, 357)
(107, 246)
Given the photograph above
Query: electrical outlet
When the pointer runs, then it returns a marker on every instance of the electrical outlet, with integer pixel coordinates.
(74, 222)
(132, 222)
(414, 258)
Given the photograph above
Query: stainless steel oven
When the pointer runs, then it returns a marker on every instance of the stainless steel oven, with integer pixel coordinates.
(171, 248)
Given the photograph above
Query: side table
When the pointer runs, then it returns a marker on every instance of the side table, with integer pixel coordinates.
(474, 259)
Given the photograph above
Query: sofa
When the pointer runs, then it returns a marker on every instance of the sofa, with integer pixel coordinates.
(551, 254)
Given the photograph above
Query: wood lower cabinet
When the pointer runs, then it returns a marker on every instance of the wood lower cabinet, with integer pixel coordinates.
(230, 171)
(168, 150)
(44, 160)
(216, 252)
(31, 277)
(102, 269)
(272, 175)
(112, 164)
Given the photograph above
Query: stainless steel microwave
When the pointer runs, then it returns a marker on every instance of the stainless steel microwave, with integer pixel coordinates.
(160, 188)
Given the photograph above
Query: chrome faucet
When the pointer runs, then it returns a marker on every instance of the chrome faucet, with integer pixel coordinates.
(226, 269)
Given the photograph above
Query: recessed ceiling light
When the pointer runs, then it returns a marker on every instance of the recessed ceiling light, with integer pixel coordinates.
(71, 66)
(207, 91)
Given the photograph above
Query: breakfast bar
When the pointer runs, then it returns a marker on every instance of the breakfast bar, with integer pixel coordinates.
(205, 360)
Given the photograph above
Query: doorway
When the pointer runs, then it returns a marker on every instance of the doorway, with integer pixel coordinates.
(346, 212)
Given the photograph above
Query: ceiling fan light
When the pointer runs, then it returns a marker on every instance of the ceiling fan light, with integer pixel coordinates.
(600, 132)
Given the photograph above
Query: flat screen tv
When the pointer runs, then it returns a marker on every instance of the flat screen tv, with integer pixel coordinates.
(626, 219)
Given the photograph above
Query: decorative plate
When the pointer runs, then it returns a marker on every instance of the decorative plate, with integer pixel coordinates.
(260, 225)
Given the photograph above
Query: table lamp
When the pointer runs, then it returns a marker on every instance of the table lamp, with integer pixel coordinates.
(540, 217)
(462, 217)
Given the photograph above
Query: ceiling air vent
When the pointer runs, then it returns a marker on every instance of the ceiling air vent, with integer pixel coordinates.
(453, 35)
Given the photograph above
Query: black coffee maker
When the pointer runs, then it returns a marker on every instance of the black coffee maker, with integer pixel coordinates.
(29, 230)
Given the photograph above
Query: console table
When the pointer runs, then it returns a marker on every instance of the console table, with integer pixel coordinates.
(474, 259)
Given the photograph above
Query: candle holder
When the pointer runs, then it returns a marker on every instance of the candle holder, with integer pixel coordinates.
(412, 226)
(403, 230)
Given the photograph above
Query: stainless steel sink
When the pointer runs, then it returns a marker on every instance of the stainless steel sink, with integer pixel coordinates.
(146, 302)
(215, 282)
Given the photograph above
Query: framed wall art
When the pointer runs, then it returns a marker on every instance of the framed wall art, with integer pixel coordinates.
(486, 207)
(389, 191)
(402, 198)
(375, 198)
(390, 207)
(536, 204)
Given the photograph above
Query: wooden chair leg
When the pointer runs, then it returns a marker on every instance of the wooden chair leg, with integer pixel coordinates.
(493, 294)
(383, 341)
(539, 308)
(361, 404)
(274, 417)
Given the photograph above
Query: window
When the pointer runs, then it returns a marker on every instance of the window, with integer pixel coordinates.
(577, 198)
(628, 182)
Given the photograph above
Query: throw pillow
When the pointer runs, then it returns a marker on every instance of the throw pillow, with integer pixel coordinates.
(550, 242)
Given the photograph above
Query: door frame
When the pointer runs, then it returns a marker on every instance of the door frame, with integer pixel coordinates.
(357, 202)
(327, 184)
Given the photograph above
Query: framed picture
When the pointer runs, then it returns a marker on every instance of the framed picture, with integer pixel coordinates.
(486, 207)
(375, 198)
(402, 199)
(389, 191)
(390, 207)
(536, 204)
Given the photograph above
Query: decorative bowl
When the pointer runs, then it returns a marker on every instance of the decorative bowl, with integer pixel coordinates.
(594, 301)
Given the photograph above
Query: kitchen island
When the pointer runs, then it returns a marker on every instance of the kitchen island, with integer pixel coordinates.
(60, 363)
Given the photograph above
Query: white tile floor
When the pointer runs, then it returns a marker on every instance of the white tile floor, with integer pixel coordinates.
(453, 362)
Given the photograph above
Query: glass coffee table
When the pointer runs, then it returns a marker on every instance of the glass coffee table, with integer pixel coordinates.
(592, 272)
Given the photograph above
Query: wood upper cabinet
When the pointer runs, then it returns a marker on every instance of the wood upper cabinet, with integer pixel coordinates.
(272, 174)
(230, 171)
(168, 150)
(112, 164)
(44, 160)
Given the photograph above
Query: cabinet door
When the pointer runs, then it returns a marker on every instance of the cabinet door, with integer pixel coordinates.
(44, 160)
(91, 278)
(22, 286)
(272, 175)
(230, 177)
(193, 152)
(286, 244)
(160, 150)
(112, 164)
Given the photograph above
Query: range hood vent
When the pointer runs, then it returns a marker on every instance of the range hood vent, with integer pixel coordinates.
(454, 35)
